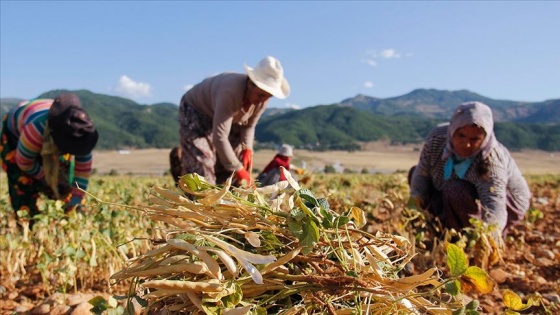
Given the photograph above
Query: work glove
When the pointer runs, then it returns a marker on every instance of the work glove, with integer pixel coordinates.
(247, 159)
(242, 178)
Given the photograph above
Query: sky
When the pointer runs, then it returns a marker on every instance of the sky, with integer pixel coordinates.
(154, 51)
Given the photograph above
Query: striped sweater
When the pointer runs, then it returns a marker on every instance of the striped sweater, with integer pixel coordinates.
(505, 178)
(27, 122)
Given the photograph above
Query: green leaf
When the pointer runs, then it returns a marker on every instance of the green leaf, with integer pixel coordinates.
(328, 218)
(129, 308)
(323, 203)
(300, 202)
(270, 241)
(473, 305)
(190, 180)
(459, 311)
(297, 214)
(80, 254)
(296, 227)
(309, 236)
(141, 301)
(99, 305)
(352, 273)
(231, 300)
(456, 260)
(259, 311)
(308, 197)
(211, 308)
(453, 287)
(340, 221)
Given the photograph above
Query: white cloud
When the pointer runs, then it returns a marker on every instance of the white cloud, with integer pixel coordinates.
(389, 54)
(370, 62)
(187, 87)
(292, 106)
(131, 88)
(374, 55)
(368, 84)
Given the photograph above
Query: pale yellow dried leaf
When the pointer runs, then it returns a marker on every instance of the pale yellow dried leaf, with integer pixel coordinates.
(184, 286)
(358, 216)
(215, 198)
(196, 300)
(172, 195)
(289, 178)
(253, 239)
(212, 265)
(378, 252)
(194, 268)
(281, 261)
(408, 283)
(238, 310)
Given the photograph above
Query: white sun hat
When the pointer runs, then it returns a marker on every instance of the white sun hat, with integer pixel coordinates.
(268, 75)
(286, 150)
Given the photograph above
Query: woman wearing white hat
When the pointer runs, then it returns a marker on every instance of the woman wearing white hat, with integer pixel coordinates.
(217, 120)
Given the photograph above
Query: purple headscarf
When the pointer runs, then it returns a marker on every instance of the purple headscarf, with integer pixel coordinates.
(467, 114)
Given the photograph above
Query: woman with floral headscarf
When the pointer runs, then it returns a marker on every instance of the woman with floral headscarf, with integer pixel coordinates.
(464, 172)
(46, 147)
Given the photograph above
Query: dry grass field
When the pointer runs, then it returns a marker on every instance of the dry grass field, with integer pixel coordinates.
(376, 158)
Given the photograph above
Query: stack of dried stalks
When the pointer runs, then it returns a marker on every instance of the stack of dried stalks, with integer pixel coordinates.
(276, 250)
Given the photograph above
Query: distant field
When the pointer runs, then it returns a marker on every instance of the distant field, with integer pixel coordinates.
(376, 158)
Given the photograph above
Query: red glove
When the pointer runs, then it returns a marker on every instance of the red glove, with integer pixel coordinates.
(247, 159)
(242, 178)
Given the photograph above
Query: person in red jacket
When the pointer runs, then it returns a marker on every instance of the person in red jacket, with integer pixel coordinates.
(271, 173)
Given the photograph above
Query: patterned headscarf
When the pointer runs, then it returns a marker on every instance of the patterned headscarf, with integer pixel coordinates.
(467, 114)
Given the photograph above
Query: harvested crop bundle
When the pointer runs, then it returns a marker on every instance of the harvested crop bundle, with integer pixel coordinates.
(271, 250)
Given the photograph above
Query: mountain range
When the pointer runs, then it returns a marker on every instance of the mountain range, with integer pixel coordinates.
(438, 104)
(123, 123)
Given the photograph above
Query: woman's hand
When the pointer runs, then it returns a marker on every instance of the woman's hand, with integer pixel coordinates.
(247, 159)
(75, 203)
(415, 203)
(242, 178)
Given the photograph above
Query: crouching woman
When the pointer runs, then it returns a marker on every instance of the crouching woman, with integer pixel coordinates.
(46, 147)
(464, 172)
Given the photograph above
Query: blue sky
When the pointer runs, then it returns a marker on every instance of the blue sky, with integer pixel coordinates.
(152, 51)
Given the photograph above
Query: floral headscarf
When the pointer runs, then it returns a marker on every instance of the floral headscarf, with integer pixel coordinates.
(467, 114)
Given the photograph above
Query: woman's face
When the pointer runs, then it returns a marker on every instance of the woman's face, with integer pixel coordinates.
(467, 140)
(254, 95)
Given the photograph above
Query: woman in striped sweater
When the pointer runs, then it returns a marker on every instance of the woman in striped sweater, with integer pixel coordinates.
(464, 172)
(45, 147)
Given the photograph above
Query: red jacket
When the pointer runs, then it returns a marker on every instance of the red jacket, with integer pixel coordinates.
(279, 160)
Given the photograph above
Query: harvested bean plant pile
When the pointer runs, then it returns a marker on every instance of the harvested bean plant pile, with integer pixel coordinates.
(275, 249)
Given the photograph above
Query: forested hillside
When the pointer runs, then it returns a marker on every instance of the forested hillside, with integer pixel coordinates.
(123, 123)
(332, 127)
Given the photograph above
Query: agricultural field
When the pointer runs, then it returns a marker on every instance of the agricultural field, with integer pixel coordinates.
(377, 157)
(82, 254)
